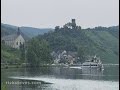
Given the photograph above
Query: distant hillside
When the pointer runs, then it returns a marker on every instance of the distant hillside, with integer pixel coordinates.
(28, 31)
(31, 32)
(102, 41)
(7, 29)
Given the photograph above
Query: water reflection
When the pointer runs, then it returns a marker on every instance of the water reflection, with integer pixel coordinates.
(62, 78)
(92, 73)
(110, 73)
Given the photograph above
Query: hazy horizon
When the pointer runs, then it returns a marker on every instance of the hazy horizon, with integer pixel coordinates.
(51, 13)
(54, 26)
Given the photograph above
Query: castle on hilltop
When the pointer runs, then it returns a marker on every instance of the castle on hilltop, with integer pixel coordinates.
(70, 25)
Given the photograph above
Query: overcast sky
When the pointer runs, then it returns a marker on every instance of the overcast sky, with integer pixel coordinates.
(49, 13)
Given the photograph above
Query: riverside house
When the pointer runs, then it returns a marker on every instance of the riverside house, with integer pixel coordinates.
(66, 57)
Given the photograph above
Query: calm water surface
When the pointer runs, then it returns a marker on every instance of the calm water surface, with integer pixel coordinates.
(61, 78)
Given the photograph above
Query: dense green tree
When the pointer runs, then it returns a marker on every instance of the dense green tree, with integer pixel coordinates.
(81, 54)
(22, 53)
(38, 52)
(57, 28)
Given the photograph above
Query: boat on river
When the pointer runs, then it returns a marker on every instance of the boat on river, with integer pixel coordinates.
(93, 62)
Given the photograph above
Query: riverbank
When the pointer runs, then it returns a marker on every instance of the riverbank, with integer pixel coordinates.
(5, 66)
(10, 66)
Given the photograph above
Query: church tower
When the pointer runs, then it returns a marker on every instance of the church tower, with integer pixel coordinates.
(18, 32)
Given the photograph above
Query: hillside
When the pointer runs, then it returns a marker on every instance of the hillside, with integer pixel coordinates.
(103, 42)
(30, 32)
(7, 29)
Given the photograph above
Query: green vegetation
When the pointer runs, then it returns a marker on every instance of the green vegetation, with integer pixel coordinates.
(3, 86)
(100, 41)
(9, 55)
(12, 56)
(38, 52)
(81, 54)
(22, 53)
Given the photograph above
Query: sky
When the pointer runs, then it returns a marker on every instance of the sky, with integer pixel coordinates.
(51, 13)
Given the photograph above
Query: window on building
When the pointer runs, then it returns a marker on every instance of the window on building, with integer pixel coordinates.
(16, 43)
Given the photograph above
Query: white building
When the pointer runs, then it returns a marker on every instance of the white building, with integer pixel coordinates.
(14, 40)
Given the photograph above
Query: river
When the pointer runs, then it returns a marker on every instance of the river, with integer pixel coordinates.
(61, 78)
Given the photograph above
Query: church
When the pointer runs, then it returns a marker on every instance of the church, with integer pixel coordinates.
(14, 40)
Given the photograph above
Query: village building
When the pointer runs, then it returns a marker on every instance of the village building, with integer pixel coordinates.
(64, 57)
(14, 40)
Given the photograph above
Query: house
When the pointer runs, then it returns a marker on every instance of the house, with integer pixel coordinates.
(14, 40)
(66, 57)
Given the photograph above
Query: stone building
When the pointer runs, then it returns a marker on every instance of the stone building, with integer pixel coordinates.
(14, 40)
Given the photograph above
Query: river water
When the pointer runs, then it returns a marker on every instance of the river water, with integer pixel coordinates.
(61, 78)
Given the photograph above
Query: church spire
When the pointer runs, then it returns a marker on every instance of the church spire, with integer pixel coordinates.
(18, 32)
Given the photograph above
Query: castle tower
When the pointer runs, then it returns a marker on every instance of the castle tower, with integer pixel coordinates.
(73, 20)
(73, 24)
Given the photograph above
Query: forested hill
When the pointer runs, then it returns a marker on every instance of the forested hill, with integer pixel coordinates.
(102, 41)
(30, 32)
